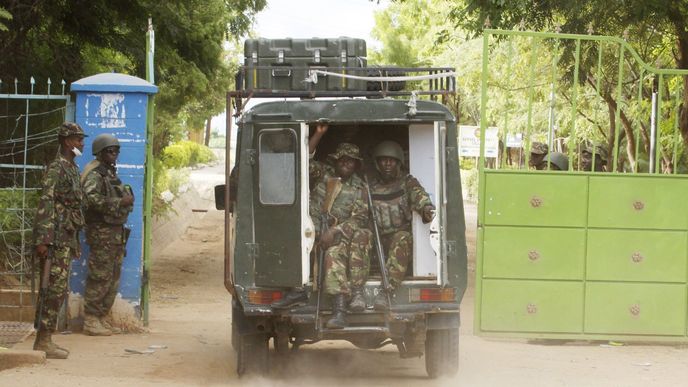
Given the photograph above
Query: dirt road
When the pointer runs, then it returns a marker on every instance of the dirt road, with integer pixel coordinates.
(190, 316)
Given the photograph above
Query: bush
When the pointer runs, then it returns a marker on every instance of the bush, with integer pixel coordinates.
(186, 154)
(167, 185)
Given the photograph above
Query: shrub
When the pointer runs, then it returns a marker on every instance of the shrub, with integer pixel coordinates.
(186, 154)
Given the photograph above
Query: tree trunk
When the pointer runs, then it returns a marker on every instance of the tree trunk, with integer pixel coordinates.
(206, 139)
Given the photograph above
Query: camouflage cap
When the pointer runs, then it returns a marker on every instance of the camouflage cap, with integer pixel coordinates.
(346, 149)
(599, 149)
(70, 129)
(539, 148)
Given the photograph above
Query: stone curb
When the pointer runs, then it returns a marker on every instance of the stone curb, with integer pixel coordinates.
(11, 358)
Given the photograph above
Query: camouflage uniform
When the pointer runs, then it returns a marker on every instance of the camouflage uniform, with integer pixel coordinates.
(349, 215)
(394, 204)
(59, 218)
(105, 218)
(319, 171)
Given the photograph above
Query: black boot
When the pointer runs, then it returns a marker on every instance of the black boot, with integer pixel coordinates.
(381, 301)
(358, 303)
(292, 298)
(338, 320)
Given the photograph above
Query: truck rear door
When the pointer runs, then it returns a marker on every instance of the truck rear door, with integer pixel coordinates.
(278, 204)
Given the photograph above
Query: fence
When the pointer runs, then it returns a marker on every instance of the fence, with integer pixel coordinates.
(28, 141)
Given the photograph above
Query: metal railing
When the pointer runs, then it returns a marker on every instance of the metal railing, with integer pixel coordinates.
(28, 141)
(569, 90)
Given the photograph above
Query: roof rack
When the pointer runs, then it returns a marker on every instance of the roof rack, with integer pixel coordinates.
(314, 82)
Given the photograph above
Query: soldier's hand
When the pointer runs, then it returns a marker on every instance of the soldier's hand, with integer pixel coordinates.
(42, 251)
(321, 128)
(127, 200)
(428, 213)
(327, 238)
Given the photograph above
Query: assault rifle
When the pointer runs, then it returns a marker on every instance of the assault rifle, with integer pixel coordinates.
(43, 292)
(386, 286)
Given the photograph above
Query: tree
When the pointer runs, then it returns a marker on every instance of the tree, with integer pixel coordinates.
(75, 39)
(657, 29)
(4, 15)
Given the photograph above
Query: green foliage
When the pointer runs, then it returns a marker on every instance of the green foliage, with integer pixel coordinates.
(11, 223)
(186, 154)
(168, 184)
(4, 15)
(68, 40)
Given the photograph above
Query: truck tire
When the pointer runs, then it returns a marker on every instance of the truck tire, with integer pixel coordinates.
(442, 352)
(252, 354)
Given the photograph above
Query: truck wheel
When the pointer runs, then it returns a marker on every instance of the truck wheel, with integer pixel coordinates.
(442, 352)
(252, 354)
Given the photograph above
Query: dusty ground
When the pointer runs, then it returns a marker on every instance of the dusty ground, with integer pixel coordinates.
(190, 315)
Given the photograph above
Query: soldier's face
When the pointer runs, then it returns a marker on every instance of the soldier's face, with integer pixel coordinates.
(536, 159)
(75, 142)
(109, 155)
(586, 162)
(387, 166)
(345, 167)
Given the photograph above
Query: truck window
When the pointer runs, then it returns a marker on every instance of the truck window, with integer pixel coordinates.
(277, 166)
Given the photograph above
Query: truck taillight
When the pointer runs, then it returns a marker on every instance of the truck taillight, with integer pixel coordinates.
(432, 295)
(263, 297)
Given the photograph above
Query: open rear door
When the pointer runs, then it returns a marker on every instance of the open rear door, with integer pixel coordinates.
(278, 204)
(426, 163)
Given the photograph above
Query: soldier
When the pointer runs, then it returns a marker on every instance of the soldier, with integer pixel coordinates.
(395, 196)
(346, 241)
(600, 161)
(538, 151)
(108, 204)
(59, 218)
(557, 162)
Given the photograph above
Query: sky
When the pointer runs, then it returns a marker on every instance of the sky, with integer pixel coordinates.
(314, 18)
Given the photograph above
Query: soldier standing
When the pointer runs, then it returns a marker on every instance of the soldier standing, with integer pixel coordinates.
(395, 196)
(108, 203)
(538, 151)
(59, 218)
(598, 163)
(346, 241)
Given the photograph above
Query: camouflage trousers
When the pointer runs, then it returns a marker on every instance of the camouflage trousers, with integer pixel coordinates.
(104, 269)
(399, 249)
(57, 287)
(352, 254)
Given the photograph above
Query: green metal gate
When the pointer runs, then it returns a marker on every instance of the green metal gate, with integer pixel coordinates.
(579, 254)
(28, 141)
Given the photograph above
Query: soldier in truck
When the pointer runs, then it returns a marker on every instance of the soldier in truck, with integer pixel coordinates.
(339, 211)
(395, 196)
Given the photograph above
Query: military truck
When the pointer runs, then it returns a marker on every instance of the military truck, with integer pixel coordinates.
(270, 238)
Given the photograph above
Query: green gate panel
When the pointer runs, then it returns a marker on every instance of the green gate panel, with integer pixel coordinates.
(532, 253)
(626, 255)
(535, 200)
(532, 306)
(638, 202)
(635, 308)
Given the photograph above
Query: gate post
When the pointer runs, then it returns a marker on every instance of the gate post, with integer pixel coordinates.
(115, 104)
